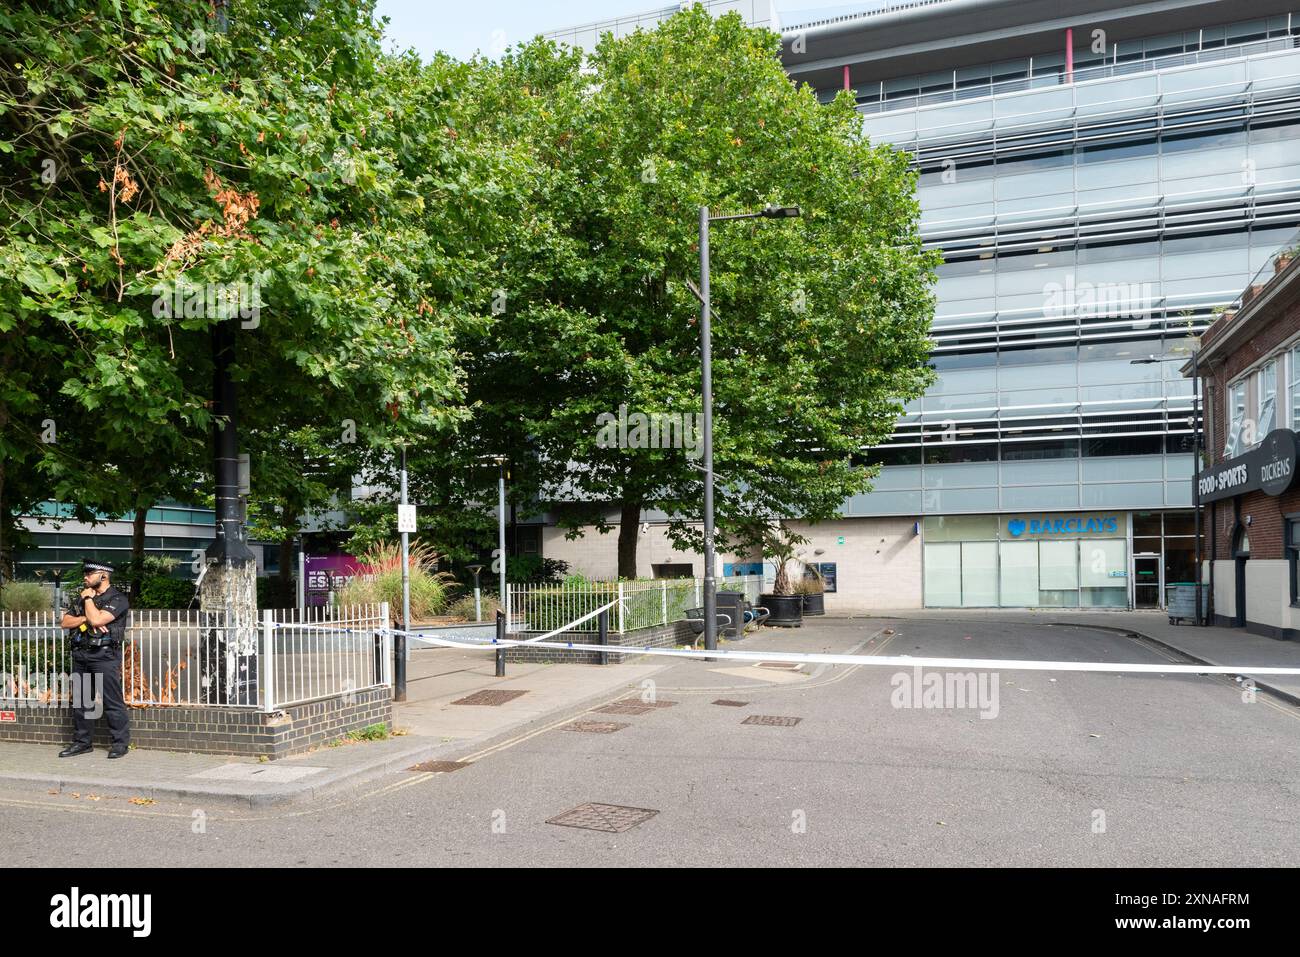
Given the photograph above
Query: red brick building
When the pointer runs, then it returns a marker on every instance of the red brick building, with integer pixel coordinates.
(1249, 364)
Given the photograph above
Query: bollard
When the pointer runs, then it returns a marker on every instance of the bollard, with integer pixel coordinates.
(602, 631)
(501, 636)
(399, 667)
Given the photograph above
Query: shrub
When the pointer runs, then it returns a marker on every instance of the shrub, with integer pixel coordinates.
(522, 569)
(273, 593)
(26, 596)
(380, 580)
(161, 592)
(463, 607)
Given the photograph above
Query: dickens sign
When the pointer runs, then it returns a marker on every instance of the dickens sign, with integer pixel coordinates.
(1269, 467)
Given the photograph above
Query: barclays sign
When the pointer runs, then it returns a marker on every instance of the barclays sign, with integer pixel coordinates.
(1064, 526)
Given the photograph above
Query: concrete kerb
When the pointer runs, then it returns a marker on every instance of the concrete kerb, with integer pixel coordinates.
(308, 789)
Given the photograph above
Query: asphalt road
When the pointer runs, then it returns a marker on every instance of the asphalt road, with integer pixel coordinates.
(1079, 769)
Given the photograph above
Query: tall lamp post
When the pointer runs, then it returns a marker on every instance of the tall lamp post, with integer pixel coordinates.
(706, 359)
(1200, 617)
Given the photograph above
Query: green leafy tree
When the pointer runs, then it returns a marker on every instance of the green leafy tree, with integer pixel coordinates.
(820, 332)
(169, 165)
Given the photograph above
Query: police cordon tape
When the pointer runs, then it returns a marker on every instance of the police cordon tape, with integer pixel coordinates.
(423, 636)
(879, 661)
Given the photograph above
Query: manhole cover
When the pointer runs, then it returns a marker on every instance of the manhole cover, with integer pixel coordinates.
(595, 727)
(731, 704)
(491, 698)
(439, 767)
(624, 707)
(654, 704)
(610, 818)
(772, 720)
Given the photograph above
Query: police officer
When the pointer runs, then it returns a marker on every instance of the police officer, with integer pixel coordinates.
(96, 621)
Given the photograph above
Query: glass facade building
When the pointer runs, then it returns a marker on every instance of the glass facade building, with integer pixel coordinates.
(1089, 215)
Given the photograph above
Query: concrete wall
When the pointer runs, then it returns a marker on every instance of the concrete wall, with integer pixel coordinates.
(1268, 598)
(878, 566)
(596, 556)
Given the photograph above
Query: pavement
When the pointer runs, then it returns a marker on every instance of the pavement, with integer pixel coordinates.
(429, 727)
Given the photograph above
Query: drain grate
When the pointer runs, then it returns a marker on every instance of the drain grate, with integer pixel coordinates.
(595, 727)
(624, 707)
(610, 818)
(439, 767)
(659, 703)
(727, 703)
(491, 698)
(772, 720)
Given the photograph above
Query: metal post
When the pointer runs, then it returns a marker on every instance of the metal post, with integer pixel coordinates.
(266, 671)
(406, 564)
(501, 636)
(706, 376)
(602, 633)
(501, 523)
(1196, 481)
(302, 575)
(381, 677)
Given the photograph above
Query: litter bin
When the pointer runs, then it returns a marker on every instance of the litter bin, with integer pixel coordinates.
(732, 603)
(1181, 602)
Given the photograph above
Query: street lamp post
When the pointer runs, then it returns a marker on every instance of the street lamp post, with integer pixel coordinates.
(706, 377)
(500, 461)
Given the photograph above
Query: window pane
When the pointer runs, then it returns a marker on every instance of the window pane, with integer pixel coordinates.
(979, 578)
(1019, 574)
(1058, 564)
(1267, 399)
(943, 575)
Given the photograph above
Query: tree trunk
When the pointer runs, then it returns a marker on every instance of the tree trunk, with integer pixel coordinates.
(629, 530)
(288, 521)
(137, 551)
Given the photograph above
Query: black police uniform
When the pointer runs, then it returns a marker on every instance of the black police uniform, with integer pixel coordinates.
(101, 654)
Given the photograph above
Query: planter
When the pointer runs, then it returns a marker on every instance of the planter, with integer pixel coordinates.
(787, 610)
(1281, 262)
(814, 604)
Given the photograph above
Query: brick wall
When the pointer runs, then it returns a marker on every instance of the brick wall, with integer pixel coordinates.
(1266, 511)
(212, 730)
(660, 636)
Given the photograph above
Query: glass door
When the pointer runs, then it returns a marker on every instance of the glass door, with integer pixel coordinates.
(1146, 581)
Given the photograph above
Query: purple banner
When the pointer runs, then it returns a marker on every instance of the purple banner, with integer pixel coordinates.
(326, 572)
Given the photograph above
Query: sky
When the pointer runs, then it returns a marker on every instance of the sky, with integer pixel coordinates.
(461, 27)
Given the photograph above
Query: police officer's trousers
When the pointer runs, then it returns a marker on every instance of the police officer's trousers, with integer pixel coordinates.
(87, 665)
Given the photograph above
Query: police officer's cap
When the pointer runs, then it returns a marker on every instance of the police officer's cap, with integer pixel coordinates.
(90, 565)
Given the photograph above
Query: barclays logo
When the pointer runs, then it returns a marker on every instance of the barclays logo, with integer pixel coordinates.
(1063, 526)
